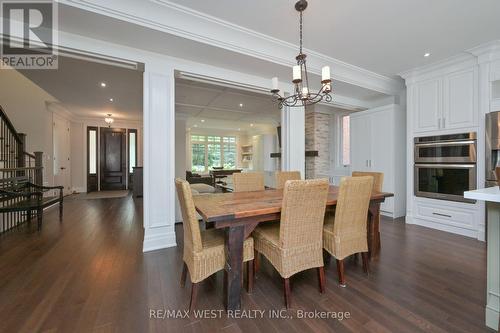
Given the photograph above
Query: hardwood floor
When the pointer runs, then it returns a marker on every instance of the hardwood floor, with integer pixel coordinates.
(89, 275)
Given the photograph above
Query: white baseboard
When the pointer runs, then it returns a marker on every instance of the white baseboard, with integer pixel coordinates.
(159, 238)
(78, 190)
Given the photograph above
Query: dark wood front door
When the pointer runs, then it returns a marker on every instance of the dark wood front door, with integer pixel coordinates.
(113, 159)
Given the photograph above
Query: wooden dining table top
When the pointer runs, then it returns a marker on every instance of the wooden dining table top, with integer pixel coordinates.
(232, 206)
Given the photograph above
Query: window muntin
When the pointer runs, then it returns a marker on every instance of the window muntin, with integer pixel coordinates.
(208, 151)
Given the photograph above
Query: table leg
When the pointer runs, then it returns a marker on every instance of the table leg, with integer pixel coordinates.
(374, 230)
(234, 238)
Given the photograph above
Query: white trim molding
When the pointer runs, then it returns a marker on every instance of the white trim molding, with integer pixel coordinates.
(159, 171)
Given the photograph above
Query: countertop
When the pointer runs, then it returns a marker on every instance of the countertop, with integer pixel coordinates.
(491, 194)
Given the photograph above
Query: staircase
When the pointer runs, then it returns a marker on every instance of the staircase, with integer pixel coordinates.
(16, 162)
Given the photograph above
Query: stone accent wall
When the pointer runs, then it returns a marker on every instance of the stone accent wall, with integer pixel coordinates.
(317, 133)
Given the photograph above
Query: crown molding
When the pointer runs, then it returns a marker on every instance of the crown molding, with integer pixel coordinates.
(163, 15)
(442, 67)
(486, 52)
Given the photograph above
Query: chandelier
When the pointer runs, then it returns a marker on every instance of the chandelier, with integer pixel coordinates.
(302, 94)
(109, 120)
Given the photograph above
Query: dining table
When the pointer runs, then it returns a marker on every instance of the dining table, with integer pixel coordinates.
(239, 213)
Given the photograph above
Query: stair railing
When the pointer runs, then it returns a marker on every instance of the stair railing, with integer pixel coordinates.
(16, 162)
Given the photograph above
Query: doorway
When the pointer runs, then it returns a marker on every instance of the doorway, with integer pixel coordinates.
(113, 159)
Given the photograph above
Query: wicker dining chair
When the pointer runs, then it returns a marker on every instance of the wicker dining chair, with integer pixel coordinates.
(378, 183)
(283, 176)
(345, 233)
(248, 182)
(378, 178)
(295, 244)
(204, 252)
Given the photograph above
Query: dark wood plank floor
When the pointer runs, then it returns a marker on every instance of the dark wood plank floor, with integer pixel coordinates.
(89, 275)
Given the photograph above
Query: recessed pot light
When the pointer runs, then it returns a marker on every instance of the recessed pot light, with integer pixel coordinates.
(203, 120)
(195, 125)
(251, 125)
(427, 54)
(103, 84)
(241, 105)
(111, 100)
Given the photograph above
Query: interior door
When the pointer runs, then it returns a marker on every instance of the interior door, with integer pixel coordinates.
(61, 143)
(113, 159)
(382, 138)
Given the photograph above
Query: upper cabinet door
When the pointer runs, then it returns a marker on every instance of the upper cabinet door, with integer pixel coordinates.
(460, 99)
(427, 105)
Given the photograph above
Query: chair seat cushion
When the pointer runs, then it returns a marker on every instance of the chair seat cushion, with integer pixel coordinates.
(202, 188)
(269, 232)
(344, 246)
(286, 261)
(212, 257)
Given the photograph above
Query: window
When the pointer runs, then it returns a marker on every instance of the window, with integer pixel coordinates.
(132, 149)
(230, 153)
(212, 151)
(198, 154)
(92, 150)
(346, 143)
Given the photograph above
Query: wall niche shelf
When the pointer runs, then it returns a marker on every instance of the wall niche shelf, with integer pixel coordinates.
(309, 153)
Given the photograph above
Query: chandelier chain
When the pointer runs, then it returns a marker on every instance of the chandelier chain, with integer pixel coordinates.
(300, 29)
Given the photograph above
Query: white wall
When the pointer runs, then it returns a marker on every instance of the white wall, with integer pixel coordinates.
(26, 106)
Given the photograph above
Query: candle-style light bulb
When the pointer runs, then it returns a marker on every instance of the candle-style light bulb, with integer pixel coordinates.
(305, 92)
(297, 74)
(325, 73)
(275, 83)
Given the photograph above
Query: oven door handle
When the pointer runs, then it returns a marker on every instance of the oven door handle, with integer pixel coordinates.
(443, 144)
(446, 166)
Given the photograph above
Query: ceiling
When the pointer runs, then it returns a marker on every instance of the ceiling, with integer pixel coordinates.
(384, 36)
(76, 85)
(212, 106)
(77, 21)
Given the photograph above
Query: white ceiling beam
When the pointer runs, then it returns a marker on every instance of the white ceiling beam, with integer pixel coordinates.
(163, 15)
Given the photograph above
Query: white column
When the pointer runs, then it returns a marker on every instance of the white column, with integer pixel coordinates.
(159, 156)
(293, 139)
(493, 267)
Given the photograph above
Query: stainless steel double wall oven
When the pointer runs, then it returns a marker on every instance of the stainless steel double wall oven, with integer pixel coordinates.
(445, 166)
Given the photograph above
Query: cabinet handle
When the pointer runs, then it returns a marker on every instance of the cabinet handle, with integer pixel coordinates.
(439, 214)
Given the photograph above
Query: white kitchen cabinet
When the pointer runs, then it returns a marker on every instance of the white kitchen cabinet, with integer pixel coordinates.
(460, 99)
(446, 102)
(428, 105)
(360, 136)
(378, 144)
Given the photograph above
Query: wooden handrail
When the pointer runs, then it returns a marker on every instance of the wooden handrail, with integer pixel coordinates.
(20, 169)
(9, 125)
(29, 155)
